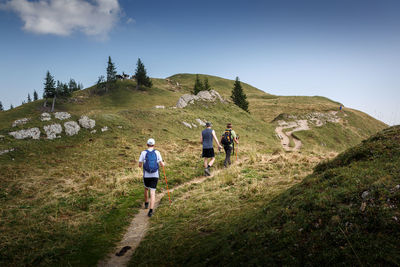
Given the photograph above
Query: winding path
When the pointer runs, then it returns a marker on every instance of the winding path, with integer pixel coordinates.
(300, 125)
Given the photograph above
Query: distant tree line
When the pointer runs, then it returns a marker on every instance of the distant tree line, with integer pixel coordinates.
(55, 90)
(104, 84)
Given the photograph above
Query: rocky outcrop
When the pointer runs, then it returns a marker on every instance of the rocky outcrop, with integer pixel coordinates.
(53, 130)
(200, 122)
(45, 116)
(71, 128)
(33, 133)
(6, 151)
(208, 96)
(20, 122)
(62, 115)
(87, 123)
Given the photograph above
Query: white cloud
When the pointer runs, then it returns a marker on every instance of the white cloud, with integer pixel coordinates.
(63, 17)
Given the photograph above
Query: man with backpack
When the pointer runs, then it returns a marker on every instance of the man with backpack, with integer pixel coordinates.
(207, 136)
(149, 159)
(228, 139)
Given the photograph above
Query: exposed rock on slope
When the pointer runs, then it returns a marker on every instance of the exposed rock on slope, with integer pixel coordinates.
(209, 96)
(33, 133)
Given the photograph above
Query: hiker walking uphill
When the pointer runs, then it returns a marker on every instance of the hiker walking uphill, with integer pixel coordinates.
(228, 139)
(207, 136)
(149, 159)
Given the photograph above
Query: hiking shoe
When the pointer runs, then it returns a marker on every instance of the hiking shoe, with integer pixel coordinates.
(146, 205)
(150, 213)
(207, 172)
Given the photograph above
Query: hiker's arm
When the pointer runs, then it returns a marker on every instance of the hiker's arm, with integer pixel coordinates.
(236, 140)
(216, 139)
(140, 164)
(162, 163)
(201, 139)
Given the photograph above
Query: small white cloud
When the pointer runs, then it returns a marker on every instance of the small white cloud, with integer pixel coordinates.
(130, 20)
(63, 17)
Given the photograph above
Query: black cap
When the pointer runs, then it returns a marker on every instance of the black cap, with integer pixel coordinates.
(208, 124)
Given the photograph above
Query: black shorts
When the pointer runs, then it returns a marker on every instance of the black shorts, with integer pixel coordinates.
(150, 183)
(208, 153)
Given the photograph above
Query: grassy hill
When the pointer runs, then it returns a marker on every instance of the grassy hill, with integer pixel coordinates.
(67, 201)
(344, 213)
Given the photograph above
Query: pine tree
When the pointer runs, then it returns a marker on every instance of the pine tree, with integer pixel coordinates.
(111, 71)
(49, 88)
(35, 95)
(72, 85)
(1, 106)
(29, 98)
(198, 86)
(206, 86)
(239, 97)
(141, 75)
(11, 106)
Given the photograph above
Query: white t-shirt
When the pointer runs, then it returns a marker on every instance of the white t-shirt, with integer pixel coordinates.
(142, 158)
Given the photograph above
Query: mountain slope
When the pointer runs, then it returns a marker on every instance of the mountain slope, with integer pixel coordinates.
(73, 196)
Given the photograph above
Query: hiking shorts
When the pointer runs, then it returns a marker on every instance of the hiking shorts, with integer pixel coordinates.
(208, 153)
(150, 183)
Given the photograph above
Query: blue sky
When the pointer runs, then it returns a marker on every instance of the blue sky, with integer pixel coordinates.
(347, 50)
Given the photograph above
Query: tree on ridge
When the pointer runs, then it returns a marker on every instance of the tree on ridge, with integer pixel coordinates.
(239, 97)
(141, 75)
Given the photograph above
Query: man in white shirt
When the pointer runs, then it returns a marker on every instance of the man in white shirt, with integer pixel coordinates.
(150, 173)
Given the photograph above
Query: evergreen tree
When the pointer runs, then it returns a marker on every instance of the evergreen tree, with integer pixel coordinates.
(206, 86)
(49, 88)
(23, 102)
(111, 71)
(73, 86)
(198, 86)
(1, 106)
(11, 106)
(141, 76)
(239, 97)
(29, 98)
(35, 95)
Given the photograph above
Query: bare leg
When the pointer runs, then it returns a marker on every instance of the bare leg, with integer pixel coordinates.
(152, 198)
(211, 161)
(146, 195)
(205, 163)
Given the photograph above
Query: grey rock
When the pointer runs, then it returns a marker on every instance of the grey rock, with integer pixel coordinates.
(71, 128)
(364, 194)
(210, 96)
(6, 151)
(187, 124)
(62, 115)
(20, 122)
(104, 129)
(87, 123)
(52, 130)
(200, 122)
(33, 133)
(45, 116)
(162, 107)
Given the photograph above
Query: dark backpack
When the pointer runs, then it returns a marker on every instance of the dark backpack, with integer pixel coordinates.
(226, 139)
(150, 163)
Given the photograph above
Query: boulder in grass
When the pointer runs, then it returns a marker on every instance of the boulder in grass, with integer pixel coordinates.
(62, 115)
(33, 133)
(87, 123)
(52, 130)
(187, 124)
(45, 116)
(20, 122)
(71, 128)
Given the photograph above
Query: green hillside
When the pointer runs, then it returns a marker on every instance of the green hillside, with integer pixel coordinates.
(345, 213)
(67, 201)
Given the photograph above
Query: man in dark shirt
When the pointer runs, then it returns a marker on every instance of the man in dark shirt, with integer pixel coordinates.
(207, 136)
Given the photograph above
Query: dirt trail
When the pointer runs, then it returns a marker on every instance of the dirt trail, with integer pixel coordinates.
(138, 228)
(285, 137)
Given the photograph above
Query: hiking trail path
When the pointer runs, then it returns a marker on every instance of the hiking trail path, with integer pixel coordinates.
(299, 125)
(138, 228)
